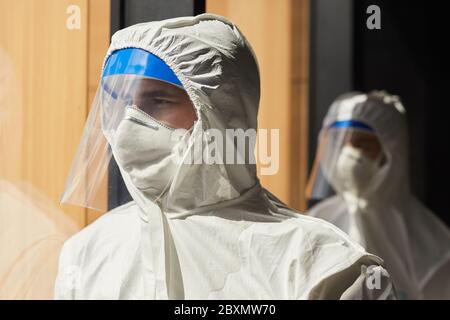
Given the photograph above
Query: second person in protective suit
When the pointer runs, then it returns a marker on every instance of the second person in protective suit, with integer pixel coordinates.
(363, 154)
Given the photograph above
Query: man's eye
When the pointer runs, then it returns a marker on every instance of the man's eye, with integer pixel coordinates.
(161, 101)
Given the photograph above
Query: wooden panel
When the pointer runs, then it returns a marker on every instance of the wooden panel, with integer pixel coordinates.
(48, 76)
(278, 32)
(50, 64)
(300, 14)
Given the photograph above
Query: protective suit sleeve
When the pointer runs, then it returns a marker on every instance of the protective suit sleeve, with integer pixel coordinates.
(67, 275)
(362, 281)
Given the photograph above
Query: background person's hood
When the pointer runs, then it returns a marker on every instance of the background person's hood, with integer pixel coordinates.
(388, 120)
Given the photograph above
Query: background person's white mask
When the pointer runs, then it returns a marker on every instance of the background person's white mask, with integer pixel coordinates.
(147, 150)
(354, 171)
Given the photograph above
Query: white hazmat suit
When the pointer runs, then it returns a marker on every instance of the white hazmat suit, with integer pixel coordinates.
(213, 232)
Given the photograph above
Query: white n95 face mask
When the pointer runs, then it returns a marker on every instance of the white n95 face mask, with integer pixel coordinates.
(148, 151)
(354, 172)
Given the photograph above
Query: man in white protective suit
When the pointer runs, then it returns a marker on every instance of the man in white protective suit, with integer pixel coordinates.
(363, 154)
(198, 227)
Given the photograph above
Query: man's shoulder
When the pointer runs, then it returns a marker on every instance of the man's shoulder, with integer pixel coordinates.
(96, 250)
(306, 232)
(321, 242)
(315, 230)
(316, 251)
(118, 226)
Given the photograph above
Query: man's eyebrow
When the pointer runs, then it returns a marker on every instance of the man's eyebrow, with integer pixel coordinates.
(156, 94)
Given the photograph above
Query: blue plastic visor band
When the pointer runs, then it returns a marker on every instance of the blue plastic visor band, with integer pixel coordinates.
(139, 62)
(351, 124)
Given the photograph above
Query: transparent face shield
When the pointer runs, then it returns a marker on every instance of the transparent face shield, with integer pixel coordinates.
(349, 158)
(142, 116)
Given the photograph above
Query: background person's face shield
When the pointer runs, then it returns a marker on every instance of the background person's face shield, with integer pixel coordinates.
(139, 105)
(348, 157)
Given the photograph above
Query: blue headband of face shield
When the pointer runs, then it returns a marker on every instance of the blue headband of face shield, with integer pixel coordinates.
(139, 62)
(351, 124)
